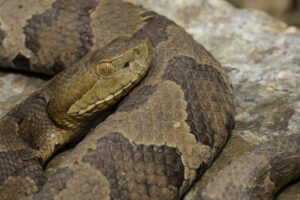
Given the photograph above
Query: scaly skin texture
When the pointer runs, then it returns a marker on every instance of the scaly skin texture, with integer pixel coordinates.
(259, 173)
(162, 136)
(43, 123)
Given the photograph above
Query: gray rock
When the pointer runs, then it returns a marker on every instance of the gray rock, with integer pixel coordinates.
(15, 87)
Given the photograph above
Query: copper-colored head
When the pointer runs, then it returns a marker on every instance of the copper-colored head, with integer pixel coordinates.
(102, 78)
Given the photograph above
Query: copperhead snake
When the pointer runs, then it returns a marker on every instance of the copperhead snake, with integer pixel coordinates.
(162, 135)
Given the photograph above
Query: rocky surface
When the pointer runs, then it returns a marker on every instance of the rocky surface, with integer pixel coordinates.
(261, 55)
(15, 87)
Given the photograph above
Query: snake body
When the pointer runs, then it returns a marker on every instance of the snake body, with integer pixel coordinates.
(259, 173)
(161, 137)
(59, 111)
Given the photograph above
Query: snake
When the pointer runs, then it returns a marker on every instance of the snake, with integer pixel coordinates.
(166, 104)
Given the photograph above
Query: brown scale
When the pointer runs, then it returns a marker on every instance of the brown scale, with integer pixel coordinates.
(41, 124)
(259, 173)
(158, 113)
(186, 116)
(12, 151)
(56, 183)
(168, 134)
(72, 29)
(136, 171)
(195, 80)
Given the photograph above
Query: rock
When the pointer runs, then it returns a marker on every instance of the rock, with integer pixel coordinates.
(15, 87)
(262, 58)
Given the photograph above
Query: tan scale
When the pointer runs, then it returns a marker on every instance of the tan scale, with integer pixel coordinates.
(13, 26)
(96, 185)
(18, 187)
(72, 36)
(174, 132)
(160, 119)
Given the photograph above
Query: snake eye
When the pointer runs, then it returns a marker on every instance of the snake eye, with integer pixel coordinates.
(106, 69)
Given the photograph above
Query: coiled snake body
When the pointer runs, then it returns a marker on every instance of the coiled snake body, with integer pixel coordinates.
(161, 137)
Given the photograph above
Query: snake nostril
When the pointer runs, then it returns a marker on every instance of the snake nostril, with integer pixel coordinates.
(126, 65)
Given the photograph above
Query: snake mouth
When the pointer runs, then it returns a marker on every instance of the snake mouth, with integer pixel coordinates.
(100, 104)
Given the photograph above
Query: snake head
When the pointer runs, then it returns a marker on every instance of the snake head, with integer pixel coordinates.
(98, 81)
